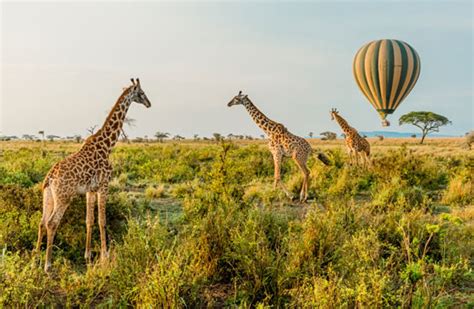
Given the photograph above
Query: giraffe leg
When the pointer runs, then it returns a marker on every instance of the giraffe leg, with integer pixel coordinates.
(350, 151)
(91, 199)
(102, 198)
(48, 205)
(60, 206)
(363, 158)
(301, 162)
(277, 158)
(356, 158)
(367, 159)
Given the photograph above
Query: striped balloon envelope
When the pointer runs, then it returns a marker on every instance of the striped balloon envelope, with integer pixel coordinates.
(386, 71)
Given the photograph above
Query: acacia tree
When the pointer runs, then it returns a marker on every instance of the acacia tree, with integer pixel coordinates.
(28, 137)
(178, 137)
(160, 136)
(91, 129)
(427, 121)
(328, 136)
(52, 137)
(129, 122)
(42, 134)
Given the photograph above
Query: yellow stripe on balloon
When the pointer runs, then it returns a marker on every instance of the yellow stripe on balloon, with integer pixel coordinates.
(397, 72)
(359, 73)
(383, 71)
(368, 74)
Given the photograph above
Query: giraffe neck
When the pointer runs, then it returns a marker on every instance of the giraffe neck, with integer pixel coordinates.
(108, 135)
(344, 125)
(265, 123)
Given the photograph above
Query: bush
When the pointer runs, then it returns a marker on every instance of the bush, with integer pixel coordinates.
(200, 225)
(460, 190)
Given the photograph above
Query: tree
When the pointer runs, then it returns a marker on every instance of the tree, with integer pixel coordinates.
(91, 129)
(129, 122)
(380, 137)
(328, 136)
(217, 136)
(52, 137)
(178, 137)
(469, 138)
(28, 137)
(427, 121)
(311, 134)
(160, 136)
(196, 137)
(42, 134)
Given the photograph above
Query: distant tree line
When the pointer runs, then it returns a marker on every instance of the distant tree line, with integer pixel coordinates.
(427, 122)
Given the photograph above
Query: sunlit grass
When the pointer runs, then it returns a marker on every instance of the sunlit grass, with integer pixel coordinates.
(200, 224)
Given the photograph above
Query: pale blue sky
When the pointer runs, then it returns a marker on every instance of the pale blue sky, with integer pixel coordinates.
(63, 65)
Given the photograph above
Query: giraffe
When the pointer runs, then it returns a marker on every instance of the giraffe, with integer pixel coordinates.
(86, 171)
(282, 143)
(356, 144)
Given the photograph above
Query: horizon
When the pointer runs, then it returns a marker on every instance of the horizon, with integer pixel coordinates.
(294, 60)
(368, 134)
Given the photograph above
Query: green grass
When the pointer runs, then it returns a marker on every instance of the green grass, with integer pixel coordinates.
(192, 225)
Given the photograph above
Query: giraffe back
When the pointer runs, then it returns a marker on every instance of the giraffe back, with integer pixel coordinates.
(80, 172)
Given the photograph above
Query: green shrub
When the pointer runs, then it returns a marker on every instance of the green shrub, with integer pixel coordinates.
(373, 237)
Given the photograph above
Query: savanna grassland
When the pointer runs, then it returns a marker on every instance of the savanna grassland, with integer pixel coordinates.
(196, 224)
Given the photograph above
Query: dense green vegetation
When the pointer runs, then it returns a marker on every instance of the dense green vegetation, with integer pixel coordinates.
(200, 225)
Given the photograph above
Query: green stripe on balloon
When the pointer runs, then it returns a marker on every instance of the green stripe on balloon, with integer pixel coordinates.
(390, 71)
(414, 76)
(361, 69)
(403, 74)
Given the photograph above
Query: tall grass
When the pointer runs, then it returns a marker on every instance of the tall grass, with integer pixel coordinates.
(396, 235)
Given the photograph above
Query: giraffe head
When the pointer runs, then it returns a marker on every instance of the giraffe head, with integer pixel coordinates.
(238, 99)
(137, 94)
(333, 113)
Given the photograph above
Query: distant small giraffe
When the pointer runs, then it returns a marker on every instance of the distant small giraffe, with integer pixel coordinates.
(356, 144)
(86, 171)
(282, 143)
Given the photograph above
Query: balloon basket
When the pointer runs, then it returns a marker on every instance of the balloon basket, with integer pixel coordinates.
(385, 123)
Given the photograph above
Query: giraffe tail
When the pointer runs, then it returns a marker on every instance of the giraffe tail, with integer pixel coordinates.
(324, 158)
(46, 181)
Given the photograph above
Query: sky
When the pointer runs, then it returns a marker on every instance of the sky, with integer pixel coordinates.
(64, 64)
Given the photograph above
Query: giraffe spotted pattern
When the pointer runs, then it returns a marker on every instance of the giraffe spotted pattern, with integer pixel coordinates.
(86, 171)
(282, 143)
(357, 146)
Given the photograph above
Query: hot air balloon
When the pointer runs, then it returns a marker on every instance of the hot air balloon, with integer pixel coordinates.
(386, 71)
